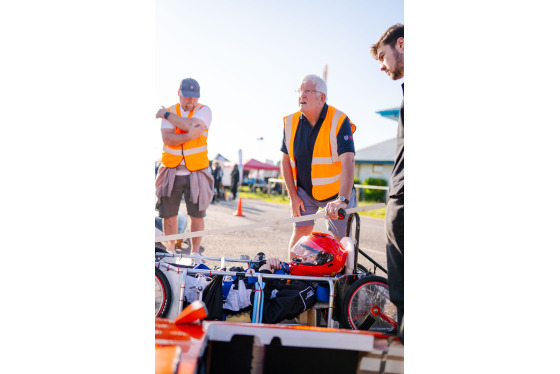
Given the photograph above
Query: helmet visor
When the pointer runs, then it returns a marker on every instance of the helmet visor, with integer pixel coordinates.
(310, 253)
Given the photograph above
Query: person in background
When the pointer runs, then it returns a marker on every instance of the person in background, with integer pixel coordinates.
(217, 173)
(389, 51)
(315, 176)
(184, 169)
(234, 181)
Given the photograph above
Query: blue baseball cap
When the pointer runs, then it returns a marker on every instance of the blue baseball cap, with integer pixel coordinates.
(190, 88)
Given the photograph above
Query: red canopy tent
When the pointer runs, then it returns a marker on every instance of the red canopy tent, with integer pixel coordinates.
(253, 164)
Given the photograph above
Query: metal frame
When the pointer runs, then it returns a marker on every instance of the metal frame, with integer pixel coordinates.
(356, 217)
(257, 307)
(257, 317)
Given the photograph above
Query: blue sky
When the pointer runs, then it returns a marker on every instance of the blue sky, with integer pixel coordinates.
(248, 57)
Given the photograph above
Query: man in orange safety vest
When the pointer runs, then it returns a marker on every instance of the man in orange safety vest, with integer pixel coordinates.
(185, 169)
(318, 159)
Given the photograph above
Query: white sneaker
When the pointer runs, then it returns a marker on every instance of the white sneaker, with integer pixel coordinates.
(195, 260)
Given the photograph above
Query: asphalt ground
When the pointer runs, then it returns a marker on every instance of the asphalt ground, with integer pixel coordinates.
(274, 240)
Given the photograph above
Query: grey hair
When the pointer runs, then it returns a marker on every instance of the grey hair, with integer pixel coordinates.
(319, 83)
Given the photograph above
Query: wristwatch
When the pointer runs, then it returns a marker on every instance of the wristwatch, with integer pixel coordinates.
(166, 115)
(342, 198)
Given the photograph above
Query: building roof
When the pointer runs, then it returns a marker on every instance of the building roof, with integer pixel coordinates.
(219, 157)
(380, 153)
(390, 113)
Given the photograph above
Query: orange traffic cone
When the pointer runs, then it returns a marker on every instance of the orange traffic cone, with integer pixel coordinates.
(239, 212)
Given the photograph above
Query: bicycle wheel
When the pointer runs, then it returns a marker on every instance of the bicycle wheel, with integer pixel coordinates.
(367, 306)
(362, 269)
(163, 294)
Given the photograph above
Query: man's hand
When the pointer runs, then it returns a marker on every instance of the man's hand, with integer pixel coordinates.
(332, 208)
(295, 205)
(194, 125)
(160, 113)
(271, 265)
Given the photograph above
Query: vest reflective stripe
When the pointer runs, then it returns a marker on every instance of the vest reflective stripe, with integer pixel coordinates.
(322, 160)
(194, 152)
(338, 118)
(175, 152)
(325, 181)
(178, 152)
(290, 127)
(325, 177)
(326, 166)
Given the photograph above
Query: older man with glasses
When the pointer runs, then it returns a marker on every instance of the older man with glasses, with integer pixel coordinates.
(318, 159)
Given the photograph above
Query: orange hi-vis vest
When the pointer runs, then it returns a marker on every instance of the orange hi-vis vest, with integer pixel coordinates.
(326, 166)
(194, 152)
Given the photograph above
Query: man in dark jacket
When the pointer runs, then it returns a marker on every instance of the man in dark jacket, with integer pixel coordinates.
(389, 51)
(234, 181)
(217, 173)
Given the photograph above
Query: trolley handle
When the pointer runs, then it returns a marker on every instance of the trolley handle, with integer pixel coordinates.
(341, 214)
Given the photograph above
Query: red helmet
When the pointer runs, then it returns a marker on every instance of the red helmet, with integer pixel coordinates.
(317, 255)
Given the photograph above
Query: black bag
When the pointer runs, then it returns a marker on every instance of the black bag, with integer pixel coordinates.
(213, 298)
(286, 299)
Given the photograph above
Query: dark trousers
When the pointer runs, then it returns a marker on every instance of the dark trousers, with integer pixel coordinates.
(217, 185)
(234, 190)
(394, 226)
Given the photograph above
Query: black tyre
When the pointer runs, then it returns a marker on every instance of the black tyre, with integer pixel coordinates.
(163, 294)
(362, 269)
(367, 306)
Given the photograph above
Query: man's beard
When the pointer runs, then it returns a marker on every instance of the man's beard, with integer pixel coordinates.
(398, 71)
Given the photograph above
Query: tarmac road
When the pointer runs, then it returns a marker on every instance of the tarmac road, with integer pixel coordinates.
(273, 241)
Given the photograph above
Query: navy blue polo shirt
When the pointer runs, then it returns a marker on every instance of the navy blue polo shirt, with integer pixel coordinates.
(304, 142)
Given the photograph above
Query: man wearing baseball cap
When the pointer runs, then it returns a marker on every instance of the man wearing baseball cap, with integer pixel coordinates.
(185, 165)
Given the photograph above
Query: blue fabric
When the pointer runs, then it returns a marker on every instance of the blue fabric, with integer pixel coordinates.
(201, 266)
(181, 223)
(226, 287)
(322, 293)
(258, 294)
(304, 142)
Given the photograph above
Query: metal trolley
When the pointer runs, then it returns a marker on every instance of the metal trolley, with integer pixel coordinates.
(359, 300)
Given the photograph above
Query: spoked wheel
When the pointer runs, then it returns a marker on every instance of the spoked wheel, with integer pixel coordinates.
(163, 294)
(367, 306)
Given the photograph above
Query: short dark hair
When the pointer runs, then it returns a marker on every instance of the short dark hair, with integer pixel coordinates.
(390, 37)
